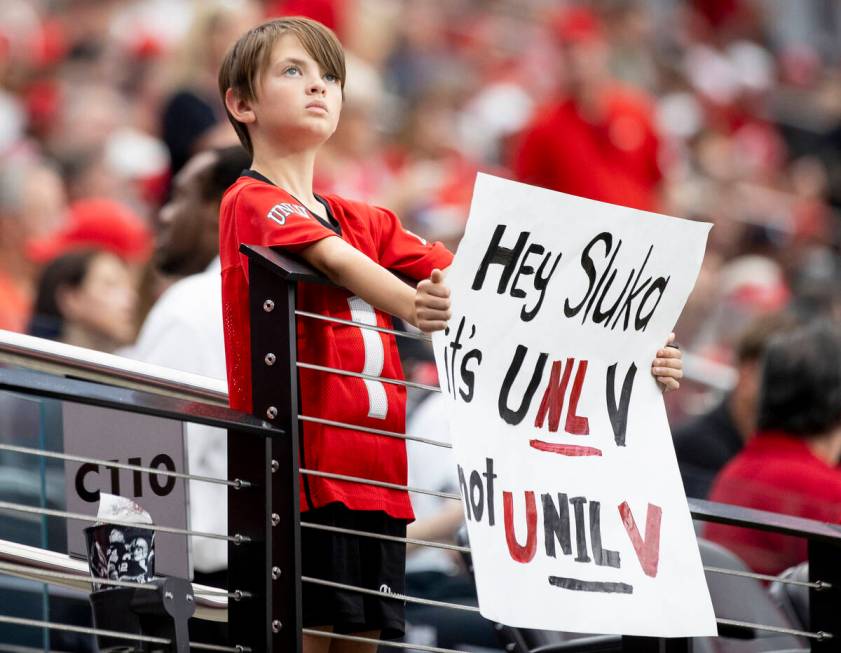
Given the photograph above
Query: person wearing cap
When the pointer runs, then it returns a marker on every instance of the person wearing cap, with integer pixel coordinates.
(597, 139)
(86, 292)
(97, 223)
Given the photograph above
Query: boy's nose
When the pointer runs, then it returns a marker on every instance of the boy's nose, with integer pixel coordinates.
(317, 86)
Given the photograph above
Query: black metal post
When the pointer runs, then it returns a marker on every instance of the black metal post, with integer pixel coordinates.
(825, 603)
(274, 377)
(249, 620)
(159, 612)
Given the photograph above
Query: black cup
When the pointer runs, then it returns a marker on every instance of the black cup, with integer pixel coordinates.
(124, 553)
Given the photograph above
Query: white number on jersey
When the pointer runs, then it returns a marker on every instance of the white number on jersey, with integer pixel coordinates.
(362, 312)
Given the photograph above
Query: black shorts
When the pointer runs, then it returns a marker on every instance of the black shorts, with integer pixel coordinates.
(353, 560)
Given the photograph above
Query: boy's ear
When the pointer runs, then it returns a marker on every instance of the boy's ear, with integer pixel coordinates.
(238, 107)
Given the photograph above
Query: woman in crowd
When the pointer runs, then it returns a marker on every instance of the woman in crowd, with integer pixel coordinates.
(86, 298)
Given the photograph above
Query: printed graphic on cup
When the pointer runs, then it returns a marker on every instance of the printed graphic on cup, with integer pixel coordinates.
(116, 552)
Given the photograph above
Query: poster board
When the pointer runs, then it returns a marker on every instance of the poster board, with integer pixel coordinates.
(575, 508)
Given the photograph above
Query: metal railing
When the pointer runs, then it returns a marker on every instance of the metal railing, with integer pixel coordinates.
(57, 358)
(268, 290)
(264, 473)
(175, 399)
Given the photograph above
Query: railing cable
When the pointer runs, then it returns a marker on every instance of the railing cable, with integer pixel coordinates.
(384, 484)
(389, 538)
(369, 377)
(37, 573)
(85, 630)
(236, 483)
(62, 359)
(390, 595)
(16, 507)
(203, 646)
(818, 584)
(820, 635)
(400, 334)
(379, 642)
(61, 575)
(367, 429)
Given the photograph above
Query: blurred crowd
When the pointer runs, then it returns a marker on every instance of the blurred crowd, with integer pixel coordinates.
(722, 110)
(727, 111)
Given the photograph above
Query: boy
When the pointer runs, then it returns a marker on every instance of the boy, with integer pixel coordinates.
(282, 84)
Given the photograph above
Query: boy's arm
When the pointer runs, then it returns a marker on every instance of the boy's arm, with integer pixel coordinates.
(404, 252)
(427, 307)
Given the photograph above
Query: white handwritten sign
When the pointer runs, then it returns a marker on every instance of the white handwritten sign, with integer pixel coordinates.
(575, 508)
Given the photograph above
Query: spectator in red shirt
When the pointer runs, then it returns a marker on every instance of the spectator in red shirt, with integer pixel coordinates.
(597, 140)
(705, 444)
(790, 466)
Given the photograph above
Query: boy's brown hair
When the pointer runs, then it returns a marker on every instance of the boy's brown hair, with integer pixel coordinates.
(250, 56)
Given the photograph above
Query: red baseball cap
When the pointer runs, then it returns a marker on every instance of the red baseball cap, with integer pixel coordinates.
(96, 223)
(577, 24)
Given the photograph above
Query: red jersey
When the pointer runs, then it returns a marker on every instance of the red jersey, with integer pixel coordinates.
(778, 473)
(256, 212)
(615, 161)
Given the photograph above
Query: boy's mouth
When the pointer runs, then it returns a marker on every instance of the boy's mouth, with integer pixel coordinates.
(317, 105)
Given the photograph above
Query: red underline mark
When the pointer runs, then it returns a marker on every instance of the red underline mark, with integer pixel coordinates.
(564, 449)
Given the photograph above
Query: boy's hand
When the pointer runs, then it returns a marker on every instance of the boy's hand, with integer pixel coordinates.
(432, 303)
(667, 368)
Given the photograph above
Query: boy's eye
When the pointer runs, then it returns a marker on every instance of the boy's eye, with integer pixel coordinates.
(292, 71)
(329, 77)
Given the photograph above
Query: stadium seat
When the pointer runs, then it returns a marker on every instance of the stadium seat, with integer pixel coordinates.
(793, 600)
(742, 599)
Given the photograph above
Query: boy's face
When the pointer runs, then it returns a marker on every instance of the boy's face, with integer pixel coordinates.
(297, 104)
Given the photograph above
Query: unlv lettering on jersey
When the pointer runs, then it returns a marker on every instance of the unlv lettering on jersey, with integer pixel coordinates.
(279, 212)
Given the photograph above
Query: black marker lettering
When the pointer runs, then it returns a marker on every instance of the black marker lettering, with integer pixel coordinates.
(489, 478)
(580, 534)
(478, 505)
(590, 270)
(556, 524)
(618, 413)
(540, 282)
(602, 557)
(659, 284)
(464, 493)
(498, 255)
(525, 270)
(516, 416)
(601, 281)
